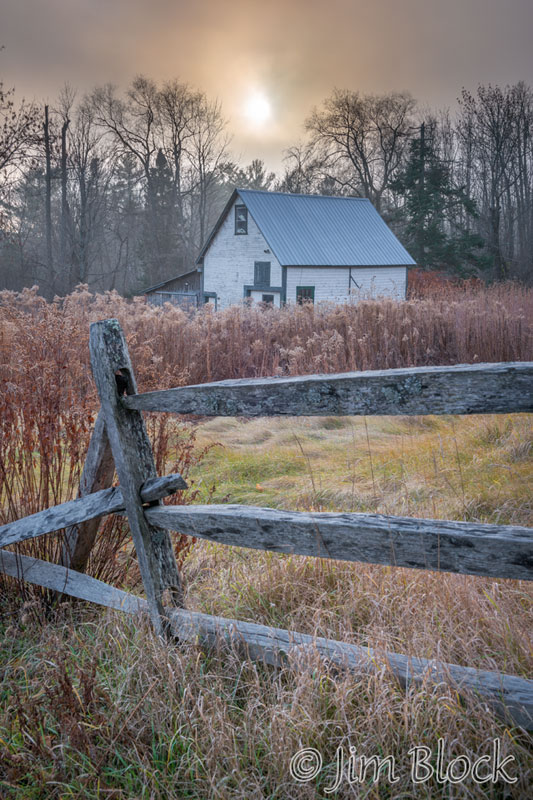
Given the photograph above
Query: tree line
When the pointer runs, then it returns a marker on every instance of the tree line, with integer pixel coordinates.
(119, 190)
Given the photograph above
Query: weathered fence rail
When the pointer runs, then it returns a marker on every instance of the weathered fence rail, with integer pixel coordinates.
(106, 501)
(120, 442)
(508, 695)
(460, 389)
(496, 551)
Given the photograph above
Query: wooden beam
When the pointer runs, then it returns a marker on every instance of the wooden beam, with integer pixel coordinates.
(467, 548)
(134, 462)
(98, 473)
(460, 389)
(93, 506)
(66, 581)
(511, 697)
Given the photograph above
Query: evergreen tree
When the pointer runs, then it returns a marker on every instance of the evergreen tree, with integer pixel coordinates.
(253, 176)
(159, 247)
(432, 206)
(125, 220)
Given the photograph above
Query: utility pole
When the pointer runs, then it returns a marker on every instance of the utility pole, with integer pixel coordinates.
(421, 198)
(48, 202)
(64, 204)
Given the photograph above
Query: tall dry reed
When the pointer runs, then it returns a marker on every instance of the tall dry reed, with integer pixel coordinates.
(170, 346)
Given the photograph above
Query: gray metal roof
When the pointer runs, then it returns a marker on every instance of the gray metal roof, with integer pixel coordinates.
(167, 280)
(317, 230)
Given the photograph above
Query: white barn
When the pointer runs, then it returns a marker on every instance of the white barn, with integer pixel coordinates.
(286, 248)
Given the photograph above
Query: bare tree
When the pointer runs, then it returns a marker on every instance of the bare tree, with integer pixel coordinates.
(173, 133)
(208, 151)
(131, 122)
(66, 102)
(495, 127)
(176, 112)
(86, 161)
(307, 172)
(18, 130)
(363, 140)
(48, 197)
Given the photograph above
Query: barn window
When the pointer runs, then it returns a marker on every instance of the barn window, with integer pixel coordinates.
(241, 220)
(262, 273)
(268, 298)
(305, 294)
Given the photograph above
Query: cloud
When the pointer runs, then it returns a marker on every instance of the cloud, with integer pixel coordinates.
(295, 52)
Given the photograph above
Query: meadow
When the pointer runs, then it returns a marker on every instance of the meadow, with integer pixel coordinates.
(93, 705)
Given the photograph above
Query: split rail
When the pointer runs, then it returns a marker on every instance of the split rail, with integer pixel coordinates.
(120, 442)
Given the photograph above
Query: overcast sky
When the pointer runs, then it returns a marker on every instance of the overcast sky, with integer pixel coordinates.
(290, 52)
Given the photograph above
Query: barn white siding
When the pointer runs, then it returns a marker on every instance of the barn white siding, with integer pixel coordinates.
(331, 283)
(229, 261)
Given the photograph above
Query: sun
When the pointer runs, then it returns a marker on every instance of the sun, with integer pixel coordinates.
(257, 108)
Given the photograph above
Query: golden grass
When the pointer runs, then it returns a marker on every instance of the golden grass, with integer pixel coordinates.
(96, 707)
(473, 468)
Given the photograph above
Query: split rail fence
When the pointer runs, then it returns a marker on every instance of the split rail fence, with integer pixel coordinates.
(120, 442)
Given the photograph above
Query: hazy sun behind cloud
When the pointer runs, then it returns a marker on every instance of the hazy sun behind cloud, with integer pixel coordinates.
(257, 108)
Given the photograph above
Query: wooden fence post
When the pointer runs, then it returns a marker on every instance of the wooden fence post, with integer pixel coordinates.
(134, 464)
(97, 474)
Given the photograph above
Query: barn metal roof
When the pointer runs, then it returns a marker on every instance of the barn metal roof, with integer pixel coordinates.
(317, 230)
(167, 280)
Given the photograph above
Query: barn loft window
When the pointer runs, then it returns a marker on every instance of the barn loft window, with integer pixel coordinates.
(241, 220)
(262, 273)
(305, 294)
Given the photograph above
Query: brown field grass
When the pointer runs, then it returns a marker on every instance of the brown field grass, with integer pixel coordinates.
(92, 705)
(43, 346)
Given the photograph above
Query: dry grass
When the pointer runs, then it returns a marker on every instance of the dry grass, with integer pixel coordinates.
(471, 468)
(172, 347)
(93, 706)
